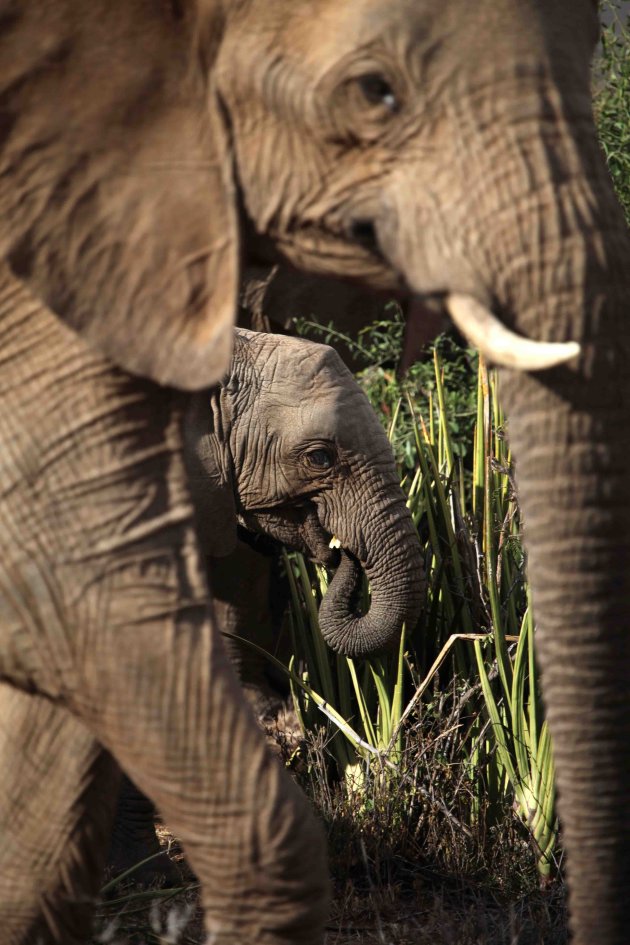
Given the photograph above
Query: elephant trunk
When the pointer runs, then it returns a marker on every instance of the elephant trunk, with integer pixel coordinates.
(573, 483)
(396, 581)
(542, 241)
(569, 429)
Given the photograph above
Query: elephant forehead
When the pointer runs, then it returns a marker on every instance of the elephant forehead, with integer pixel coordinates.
(343, 28)
(306, 392)
(338, 414)
(297, 366)
(352, 25)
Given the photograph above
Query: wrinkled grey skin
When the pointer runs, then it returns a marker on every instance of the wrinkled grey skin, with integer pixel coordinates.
(425, 147)
(242, 585)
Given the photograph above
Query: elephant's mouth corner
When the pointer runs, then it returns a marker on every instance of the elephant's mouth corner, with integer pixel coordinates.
(297, 527)
(314, 247)
(320, 542)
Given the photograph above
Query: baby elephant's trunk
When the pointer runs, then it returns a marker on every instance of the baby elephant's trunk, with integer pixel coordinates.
(396, 579)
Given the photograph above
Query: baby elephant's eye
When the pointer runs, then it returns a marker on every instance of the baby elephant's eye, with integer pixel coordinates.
(320, 458)
(377, 90)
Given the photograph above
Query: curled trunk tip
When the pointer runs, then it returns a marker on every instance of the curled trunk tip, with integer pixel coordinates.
(356, 634)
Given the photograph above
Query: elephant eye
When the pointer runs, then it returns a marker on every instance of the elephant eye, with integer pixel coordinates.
(377, 91)
(320, 458)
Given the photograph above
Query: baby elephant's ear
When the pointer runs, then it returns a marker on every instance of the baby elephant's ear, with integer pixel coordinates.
(117, 201)
(210, 475)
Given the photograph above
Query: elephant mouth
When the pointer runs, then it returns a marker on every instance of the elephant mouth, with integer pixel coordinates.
(321, 249)
(296, 527)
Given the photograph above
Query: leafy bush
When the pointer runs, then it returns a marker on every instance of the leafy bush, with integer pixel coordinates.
(612, 100)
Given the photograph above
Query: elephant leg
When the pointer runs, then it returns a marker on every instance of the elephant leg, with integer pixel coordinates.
(134, 840)
(240, 585)
(57, 796)
(195, 749)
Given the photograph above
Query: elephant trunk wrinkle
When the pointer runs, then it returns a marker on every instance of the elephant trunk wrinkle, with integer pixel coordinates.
(396, 582)
(558, 263)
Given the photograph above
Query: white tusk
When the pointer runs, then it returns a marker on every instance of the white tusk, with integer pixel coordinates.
(500, 345)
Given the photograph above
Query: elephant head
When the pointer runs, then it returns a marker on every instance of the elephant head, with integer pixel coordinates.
(138, 155)
(441, 149)
(289, 445)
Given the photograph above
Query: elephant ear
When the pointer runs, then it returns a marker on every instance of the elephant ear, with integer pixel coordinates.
(210, 471)
(117, 202)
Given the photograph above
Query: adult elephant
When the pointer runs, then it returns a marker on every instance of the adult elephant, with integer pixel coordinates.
(446, 150)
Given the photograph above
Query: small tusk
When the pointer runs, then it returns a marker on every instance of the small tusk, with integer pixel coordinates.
(334, 542)
(500, 345)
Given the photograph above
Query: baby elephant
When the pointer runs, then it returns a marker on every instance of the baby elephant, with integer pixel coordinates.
(289, 446)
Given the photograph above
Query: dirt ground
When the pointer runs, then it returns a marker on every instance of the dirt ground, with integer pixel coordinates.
(428, 913)
(433, 920)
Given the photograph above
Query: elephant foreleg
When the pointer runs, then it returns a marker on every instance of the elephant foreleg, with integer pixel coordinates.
(240, 589)
(196, 751)
(56, 803)
(240, 585)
